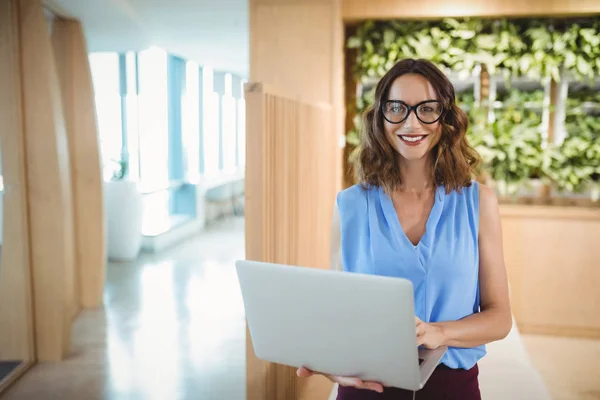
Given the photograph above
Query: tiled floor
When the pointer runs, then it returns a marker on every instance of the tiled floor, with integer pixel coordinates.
(173, 328)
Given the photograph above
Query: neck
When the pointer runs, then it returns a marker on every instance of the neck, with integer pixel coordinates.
(415, 175)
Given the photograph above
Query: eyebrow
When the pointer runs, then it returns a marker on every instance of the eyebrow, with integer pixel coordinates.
(404, 102)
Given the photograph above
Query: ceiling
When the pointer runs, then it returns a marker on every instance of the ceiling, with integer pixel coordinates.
(213, 33)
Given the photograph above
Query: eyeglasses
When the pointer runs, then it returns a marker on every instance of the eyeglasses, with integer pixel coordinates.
(397, 111)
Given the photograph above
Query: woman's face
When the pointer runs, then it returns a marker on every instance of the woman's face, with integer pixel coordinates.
(412, 138)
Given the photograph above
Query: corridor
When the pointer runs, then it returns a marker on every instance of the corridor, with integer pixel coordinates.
(172, 328)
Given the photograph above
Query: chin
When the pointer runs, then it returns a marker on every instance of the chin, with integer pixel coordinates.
(413, 156)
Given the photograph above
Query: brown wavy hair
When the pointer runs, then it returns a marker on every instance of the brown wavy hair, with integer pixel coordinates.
(454, 161)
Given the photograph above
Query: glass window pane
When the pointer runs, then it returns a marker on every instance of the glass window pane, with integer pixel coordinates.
(241, 132)
(191, 122)
(105, 77)
(131, 102)
(153, 119)
(229, 133)
(211, 125)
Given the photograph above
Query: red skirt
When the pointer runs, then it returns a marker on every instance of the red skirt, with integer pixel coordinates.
(444, 384)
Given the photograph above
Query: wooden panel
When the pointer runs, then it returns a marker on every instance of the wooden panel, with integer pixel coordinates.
(16, 317)
(277, 35)
(290, 190)
(393, 9)
(48, 185)
(71, 56)
(279, 57)
(552, 258)
(294, 162)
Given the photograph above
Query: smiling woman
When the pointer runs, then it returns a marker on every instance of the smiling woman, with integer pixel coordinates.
(414, 113)
(418, 214)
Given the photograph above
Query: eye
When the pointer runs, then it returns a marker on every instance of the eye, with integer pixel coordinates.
(429, 108)
(396, 108)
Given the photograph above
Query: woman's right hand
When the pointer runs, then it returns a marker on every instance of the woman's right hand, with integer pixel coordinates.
(343, 380)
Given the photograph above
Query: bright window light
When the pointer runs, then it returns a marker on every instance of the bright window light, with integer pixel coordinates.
(191, 122)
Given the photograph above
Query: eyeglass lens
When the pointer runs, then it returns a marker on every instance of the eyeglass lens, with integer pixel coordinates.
(396, 111)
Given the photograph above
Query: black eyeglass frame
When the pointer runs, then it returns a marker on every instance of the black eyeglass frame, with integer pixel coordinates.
(413, 109)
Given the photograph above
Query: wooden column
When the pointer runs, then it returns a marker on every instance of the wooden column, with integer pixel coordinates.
(48, 180)
(279, 56)
(294, 164)
(290, 190)
(16, 316)
(71, 56)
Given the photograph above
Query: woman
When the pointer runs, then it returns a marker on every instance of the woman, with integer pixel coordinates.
(417, 214)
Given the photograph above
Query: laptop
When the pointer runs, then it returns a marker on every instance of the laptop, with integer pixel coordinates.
(334, 322)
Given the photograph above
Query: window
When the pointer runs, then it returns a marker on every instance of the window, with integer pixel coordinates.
(211, 125)
(229, 127)
(153, 138)
(241, 132)
(191, 121)
(105, 77)
(132, 115)
(153, 119)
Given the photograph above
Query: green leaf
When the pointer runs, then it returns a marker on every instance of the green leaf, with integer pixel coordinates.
(583, 66)
(389, 37)
(486, 42)
(353, 42)
(570, 59)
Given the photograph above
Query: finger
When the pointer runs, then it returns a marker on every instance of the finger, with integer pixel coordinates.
(348, 381)
(420, 330)
(376, 386)
(420, 341)
(417, 320)
(304, 372)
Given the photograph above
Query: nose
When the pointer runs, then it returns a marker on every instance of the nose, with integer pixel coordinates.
(411, 121)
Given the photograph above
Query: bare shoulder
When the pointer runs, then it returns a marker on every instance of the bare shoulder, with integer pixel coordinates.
(489, 212)
(488, 202)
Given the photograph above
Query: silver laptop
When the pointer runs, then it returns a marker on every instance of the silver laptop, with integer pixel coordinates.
(334, 322)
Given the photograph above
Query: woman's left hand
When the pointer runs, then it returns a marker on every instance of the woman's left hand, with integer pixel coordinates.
(431, 336)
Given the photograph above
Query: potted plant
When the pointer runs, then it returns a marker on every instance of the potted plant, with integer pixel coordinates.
(123, 203)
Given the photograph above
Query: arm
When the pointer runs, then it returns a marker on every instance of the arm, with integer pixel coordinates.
(494, 321)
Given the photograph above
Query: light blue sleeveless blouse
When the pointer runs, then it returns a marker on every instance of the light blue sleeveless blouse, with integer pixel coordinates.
(443, 267)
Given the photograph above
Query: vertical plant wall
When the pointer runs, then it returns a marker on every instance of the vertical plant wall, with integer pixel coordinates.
(510, 122)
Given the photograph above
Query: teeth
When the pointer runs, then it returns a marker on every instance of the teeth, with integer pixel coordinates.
(412, 138)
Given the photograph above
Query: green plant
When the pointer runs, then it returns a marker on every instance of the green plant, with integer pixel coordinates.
(538, 48)
(510, 145)
(575, 163)
(512, 152)
(568, 164)
(465, 100)
(121, 170)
